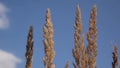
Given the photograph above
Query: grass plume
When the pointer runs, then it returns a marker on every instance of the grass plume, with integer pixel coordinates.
(29, 48)
(92, 39)
(115, 57)
(67, 64)
(79, 53)
(48, 42)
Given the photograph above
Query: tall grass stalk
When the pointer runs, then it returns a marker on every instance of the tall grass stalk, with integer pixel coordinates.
(29, 48)
(115, 57)
(79, 53)
(67, 64)
(92, 39)
(48, 42)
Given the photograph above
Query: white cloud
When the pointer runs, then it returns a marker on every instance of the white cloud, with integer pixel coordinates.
(4, 23)
(8, 60)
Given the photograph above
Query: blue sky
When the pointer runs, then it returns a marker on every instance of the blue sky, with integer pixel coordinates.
(20, 14)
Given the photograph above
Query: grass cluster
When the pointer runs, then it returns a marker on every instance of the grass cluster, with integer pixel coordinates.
(84, 56)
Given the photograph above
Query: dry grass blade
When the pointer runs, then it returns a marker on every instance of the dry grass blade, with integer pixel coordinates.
(115, 57)
(48, 42)
(92, 38)
(29, 48)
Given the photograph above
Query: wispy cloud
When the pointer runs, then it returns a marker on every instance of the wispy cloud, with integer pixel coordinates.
(8, 60)
(4, 23)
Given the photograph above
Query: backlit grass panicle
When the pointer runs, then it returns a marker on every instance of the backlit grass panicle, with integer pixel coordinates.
(29, 48)
(115, 57)
(79, 53)
(67, 64)
(92, 39)
(84, 58)
(48, 42)
(78, 22)
(78, 30)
